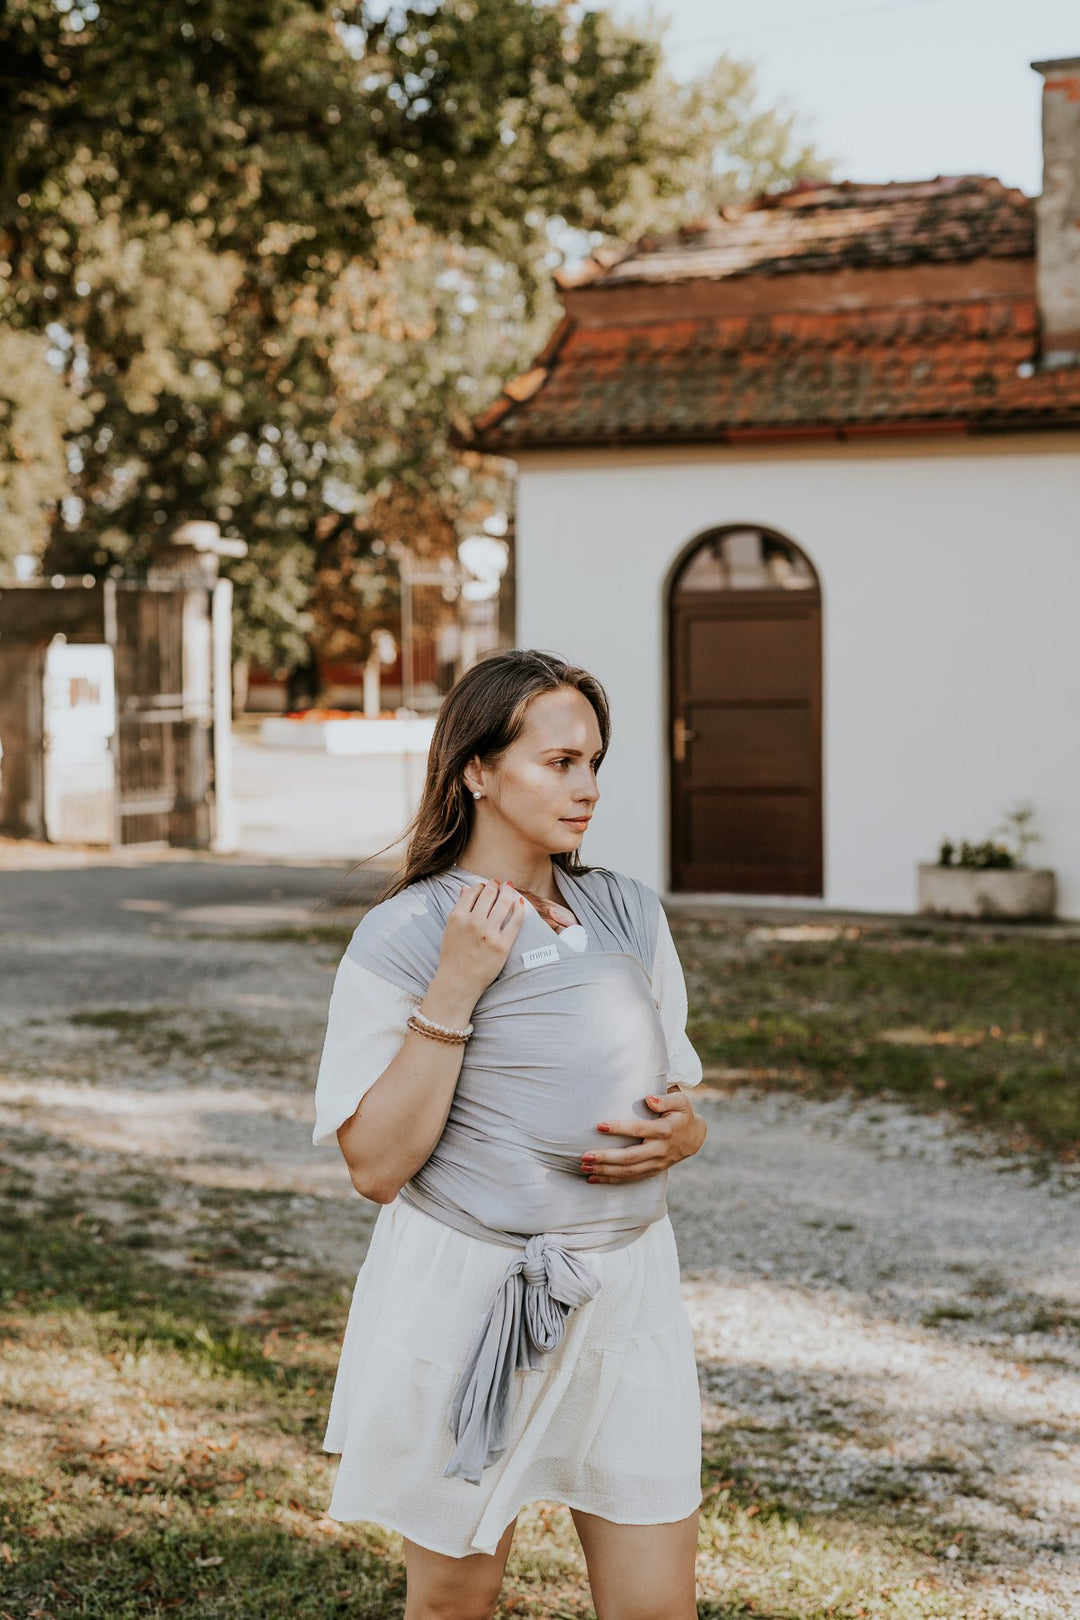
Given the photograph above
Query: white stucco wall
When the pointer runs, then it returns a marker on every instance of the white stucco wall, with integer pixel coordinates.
(950, 582)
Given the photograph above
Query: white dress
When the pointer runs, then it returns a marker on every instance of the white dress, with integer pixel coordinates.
(609, 1423)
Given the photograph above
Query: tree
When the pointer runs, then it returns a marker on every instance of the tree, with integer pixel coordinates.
(275, 246)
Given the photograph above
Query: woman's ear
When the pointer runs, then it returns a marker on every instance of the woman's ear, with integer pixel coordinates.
(473, 776)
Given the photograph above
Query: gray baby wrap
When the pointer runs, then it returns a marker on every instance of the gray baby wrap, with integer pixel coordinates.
(562, 1039)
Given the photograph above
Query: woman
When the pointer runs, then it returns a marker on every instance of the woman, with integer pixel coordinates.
(505, 1046)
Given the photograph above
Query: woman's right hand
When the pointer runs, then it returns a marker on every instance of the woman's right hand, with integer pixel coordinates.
(478, 935)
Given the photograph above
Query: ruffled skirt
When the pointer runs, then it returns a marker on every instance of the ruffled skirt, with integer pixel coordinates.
(610, 1423)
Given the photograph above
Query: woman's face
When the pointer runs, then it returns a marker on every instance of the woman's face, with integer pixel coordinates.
(544, 787)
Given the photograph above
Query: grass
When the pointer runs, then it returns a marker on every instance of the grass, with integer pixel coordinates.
(162, 1449)
(183, 1036)
(162, 1456)
(337, 935)
(771, 1558)
(988, 1029)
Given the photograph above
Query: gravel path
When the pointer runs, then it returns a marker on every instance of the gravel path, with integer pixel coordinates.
(886, 1310)
(889, 1311)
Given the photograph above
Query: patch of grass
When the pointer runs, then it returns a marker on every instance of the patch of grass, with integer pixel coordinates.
(224, 1571)
(1054, 1319)
(987, 1029)
(185, 1036)
(79, 1262)
(336, 934)
(764, 1556)
(946, 1313)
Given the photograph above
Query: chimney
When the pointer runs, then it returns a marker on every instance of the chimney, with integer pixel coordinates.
(1057, 213)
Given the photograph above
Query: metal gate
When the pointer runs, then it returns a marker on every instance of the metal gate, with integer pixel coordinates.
(115, 703)
(164, 767)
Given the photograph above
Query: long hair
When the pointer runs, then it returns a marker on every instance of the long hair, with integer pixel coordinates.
(480, 717)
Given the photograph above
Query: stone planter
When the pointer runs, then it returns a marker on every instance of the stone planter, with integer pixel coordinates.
(960, 891)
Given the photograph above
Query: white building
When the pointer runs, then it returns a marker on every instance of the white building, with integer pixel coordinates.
(802, 487)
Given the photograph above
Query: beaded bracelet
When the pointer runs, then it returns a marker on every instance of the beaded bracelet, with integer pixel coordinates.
(423, 1025)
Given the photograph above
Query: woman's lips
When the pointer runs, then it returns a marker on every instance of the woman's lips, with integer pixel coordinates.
(576, 821)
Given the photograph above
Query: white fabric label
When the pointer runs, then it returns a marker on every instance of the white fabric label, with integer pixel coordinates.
(543, 953)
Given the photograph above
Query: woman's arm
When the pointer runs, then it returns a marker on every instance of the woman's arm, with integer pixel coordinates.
(401, 1117)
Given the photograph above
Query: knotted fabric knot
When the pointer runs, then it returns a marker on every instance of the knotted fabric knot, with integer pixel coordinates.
(534, 1269)
(543, 1283)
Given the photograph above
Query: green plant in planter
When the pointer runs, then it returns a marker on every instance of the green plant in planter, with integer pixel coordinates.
(1009, 850)
(977, 857)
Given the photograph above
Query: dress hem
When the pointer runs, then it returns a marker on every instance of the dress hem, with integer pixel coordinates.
(384, 1523)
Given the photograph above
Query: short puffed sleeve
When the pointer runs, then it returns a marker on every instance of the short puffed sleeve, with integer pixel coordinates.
(365, 1028)
(669, 993)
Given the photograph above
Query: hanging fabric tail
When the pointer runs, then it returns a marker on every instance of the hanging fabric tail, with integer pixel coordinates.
(542, 1285)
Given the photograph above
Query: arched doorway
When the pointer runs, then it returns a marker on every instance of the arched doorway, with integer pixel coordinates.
(745, 717)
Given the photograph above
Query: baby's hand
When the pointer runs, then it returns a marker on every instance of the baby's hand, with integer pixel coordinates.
(558, 916)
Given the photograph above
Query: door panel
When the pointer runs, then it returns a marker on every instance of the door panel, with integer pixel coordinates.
(761, 658)
(750, 748)
(746, 795)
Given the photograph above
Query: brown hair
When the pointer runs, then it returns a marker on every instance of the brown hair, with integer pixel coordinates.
(480, 717)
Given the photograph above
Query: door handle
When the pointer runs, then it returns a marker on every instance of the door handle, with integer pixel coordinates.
(682, 735)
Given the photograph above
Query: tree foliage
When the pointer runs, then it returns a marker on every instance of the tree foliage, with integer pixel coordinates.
(260, 253)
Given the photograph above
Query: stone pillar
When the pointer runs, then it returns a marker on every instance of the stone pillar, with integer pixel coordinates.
(1057, 213)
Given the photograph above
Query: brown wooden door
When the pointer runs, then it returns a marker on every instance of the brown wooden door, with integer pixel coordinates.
(745, 738)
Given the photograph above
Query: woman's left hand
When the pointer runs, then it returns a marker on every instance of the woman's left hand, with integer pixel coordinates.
(676, 1134)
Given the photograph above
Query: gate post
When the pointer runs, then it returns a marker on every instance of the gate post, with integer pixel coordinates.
(225, 827)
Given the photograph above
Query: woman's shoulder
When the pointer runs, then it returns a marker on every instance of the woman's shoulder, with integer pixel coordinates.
(604, 883)
(608, 877)
(390, 916)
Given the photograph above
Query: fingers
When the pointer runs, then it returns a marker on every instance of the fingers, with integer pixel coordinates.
(619, 1156)
(635, 1170)
(512, 911)
(493, 901)
(480, 898)
(670, 1102)
(636, 1127)
(674, 1102)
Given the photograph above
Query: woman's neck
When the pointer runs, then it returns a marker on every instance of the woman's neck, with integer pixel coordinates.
(532, 874)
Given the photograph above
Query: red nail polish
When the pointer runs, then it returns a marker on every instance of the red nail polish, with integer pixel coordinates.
(594, 1179)
(603, 1127)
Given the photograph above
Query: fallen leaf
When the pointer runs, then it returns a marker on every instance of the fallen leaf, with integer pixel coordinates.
(209, 1563)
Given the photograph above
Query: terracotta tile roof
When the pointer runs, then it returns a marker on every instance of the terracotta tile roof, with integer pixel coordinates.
(671, 367)
(829, 227)
(702, 379)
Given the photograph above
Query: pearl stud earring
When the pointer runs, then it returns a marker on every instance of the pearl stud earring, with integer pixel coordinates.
(476, 793)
